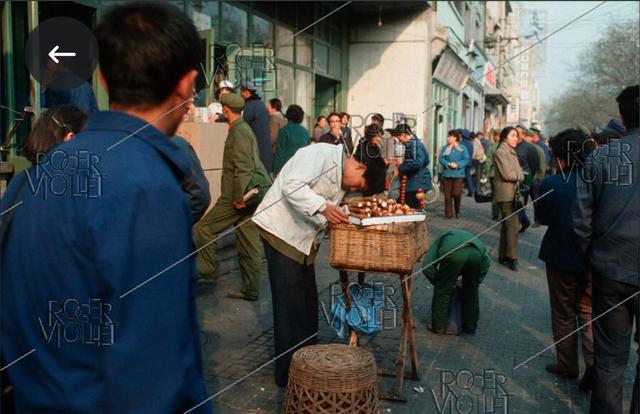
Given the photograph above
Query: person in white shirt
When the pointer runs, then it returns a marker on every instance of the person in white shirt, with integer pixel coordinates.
(292, 219)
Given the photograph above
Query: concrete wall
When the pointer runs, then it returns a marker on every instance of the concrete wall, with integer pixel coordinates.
(390, 69)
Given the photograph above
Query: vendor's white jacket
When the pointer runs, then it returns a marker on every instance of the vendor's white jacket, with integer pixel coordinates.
(289, 210)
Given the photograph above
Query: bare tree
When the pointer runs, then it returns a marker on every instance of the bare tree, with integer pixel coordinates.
(608, 66)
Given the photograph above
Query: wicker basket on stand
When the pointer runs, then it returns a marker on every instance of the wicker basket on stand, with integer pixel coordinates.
(386, 248)
(332, 378)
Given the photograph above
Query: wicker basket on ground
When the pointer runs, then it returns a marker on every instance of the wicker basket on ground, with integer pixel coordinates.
(332, 378)
(386, 248)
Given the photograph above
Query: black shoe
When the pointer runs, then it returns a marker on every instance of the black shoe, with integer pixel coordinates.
(512, 265)
(502, 260)
(556, 369)
(524, 227)
(586, 383)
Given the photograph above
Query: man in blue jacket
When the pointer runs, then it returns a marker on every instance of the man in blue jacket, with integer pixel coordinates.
(97, 304)
(415, 165)
(606, 223)
(256, 115)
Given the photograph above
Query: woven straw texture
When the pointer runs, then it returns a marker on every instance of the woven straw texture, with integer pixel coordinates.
(389, 248)
(332, 378)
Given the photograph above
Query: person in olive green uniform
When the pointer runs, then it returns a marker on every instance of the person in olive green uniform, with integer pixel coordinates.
(241, 160)
(442, 268)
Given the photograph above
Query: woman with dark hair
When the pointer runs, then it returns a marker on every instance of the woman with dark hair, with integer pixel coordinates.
(291, 137)
(57, 125)
(453, 159)
(567, 275)
(318, 130)
(508, 175)
(276, 120)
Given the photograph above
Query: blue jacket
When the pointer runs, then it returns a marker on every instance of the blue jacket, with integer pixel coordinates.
(416, 165)
(71, 260)
(255, 113)
(194, 185)
(461, 158)
(558, 248)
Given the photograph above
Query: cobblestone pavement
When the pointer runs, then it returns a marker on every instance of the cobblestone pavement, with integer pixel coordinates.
(514, 325)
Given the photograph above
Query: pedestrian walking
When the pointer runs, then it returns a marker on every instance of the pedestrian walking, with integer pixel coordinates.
(255, 114)
(456, 253)
(292, 219)
(291, 138)
(489, 171)
(277, 120)
(567, 275)
(508, 176)
(466, 141)
(453, 158)
(105, 238)
(528, 159)
(606, 224)
(538, 176)
(241, 166)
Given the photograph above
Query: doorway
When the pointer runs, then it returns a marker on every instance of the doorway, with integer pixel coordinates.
(326, 92)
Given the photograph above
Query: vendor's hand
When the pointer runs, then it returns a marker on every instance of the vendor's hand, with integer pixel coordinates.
(239, 206)
(335, 214)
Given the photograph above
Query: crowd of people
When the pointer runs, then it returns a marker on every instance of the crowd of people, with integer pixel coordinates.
(133, 247)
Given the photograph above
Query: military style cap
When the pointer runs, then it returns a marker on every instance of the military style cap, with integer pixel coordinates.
(233, 101)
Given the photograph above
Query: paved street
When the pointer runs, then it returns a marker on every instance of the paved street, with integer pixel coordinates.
(514, 324)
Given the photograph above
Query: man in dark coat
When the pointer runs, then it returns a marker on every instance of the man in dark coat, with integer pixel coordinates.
(256, 115)
(606, 222)
(98, 278)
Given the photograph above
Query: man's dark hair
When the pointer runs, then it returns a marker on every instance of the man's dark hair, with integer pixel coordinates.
(145, 49)
(375, 175)
(343, 114)
(51, 129)
(606, 135)
(333, 114)
(378, 117)
(629, 106)
(373, 130)
(571, 145)
(276, 104)
(294, 114)
(455, 133)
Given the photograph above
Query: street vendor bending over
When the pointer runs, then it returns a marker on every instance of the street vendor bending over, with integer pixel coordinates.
(472, 261)
(292, 219)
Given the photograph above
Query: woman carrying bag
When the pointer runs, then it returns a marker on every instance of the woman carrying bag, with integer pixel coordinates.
(508, 176)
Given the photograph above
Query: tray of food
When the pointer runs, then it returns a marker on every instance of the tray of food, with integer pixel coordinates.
(375, 211)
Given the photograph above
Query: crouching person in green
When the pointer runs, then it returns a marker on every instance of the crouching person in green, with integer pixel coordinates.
(442, 268)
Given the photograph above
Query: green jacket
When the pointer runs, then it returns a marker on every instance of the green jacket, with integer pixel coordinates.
(487, 168)
(542, 168)
(291, 138)
(240, 161)
(447, 242)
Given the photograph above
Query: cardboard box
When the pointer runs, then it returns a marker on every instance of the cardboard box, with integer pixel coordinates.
(214, 177)
(207, 139)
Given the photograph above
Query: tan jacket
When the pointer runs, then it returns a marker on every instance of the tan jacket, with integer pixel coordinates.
(507, 173)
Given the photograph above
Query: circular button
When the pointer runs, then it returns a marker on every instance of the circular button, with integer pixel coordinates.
(61, 53)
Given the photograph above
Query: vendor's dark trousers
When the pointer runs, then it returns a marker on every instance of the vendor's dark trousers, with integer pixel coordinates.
(508, 232)
(570, 299)
(468, 180)
(466, 262)
(295, 308)
(452, 195)
(612, 336)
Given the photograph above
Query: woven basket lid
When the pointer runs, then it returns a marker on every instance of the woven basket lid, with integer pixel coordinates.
(333, 368)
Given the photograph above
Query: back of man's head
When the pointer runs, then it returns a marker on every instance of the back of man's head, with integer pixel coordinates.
(629, 106)
(376, 173)
(145, 50)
